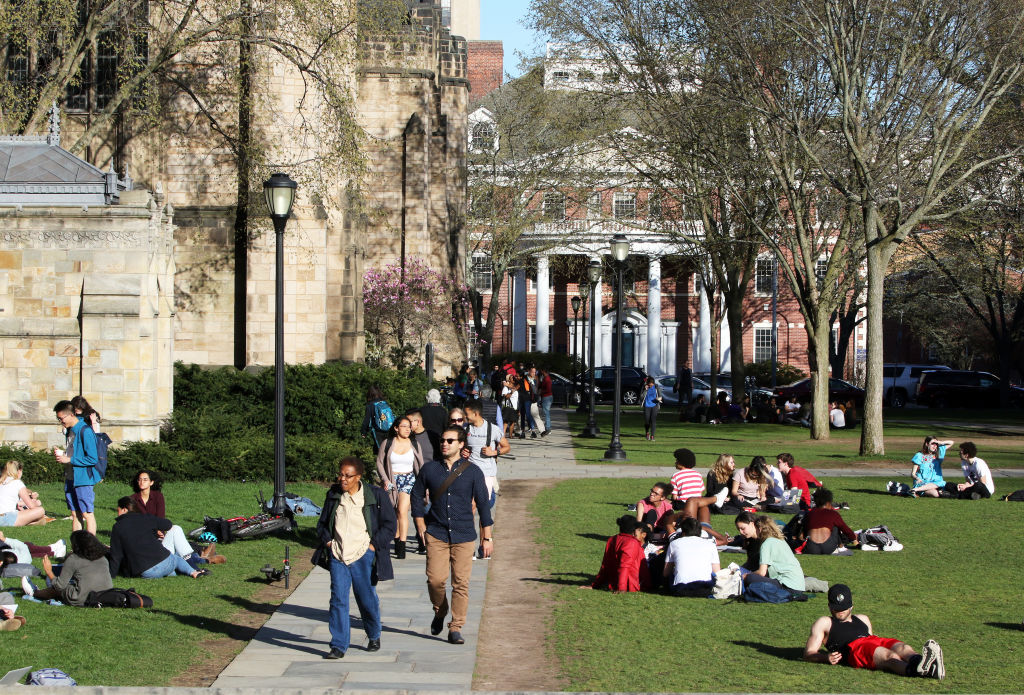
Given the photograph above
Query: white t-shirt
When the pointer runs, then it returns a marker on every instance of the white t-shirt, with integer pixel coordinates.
(402, 464)
(693, 558)
(976, 471)
(476, 439)
(9, 490)
(837, 417)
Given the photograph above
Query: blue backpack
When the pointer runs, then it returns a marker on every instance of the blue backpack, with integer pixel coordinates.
(767, 592)
(383, 416)
(102, 442)
(50, 677)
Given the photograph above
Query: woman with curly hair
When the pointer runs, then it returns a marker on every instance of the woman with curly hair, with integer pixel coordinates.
(148, 497)
(85, 570)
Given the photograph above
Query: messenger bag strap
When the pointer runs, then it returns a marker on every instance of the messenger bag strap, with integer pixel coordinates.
(455, 473)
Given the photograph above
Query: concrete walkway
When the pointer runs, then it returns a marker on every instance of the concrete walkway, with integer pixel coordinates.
(287, 652)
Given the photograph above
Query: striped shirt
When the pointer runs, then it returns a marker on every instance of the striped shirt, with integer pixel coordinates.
(687, 483)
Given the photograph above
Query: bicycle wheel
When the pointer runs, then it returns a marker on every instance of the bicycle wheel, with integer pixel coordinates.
(262, 528)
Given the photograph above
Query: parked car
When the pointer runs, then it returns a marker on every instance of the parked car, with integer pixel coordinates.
(632, 383)
(667, 381)
(565, 394)
(725, 384)
(954, 388)
(901, 379)
(838, 390)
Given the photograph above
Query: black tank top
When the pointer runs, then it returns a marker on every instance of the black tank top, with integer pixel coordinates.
(843, 632)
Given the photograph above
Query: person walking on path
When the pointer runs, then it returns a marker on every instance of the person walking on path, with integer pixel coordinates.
(447, 528)
(547, 395)
(356, 526)
(652, 404)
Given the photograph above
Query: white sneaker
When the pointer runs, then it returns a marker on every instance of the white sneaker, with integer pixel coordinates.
(720, 497)
(890, 487)
(868, 546)
(842, 551)
(27, 587)
(893, 547)
(931, 661)
(60, 549)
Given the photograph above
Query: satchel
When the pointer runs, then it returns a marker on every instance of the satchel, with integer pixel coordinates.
(118, 598)
(728, 582)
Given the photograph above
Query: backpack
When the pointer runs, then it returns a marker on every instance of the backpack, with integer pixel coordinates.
(728, 582)
(878, 536)
(118, 598)
(1017, 496)
(50, 677)
(792, 529)
(767, 592)
(102, 442)
(383, 416)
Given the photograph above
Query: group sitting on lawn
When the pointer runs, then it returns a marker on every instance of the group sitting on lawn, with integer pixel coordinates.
(926, 473)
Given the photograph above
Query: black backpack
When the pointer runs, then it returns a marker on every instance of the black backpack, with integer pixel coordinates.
(118, 598)
(1017, 496)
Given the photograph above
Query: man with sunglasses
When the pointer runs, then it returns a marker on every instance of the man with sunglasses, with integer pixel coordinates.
(447, 529)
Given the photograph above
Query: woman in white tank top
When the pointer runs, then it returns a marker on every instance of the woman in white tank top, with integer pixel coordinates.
(398, 462)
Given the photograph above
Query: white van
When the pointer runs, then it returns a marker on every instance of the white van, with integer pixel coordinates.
(900, 381)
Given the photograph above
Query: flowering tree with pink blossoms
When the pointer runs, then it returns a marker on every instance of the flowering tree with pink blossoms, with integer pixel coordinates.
(404, 311)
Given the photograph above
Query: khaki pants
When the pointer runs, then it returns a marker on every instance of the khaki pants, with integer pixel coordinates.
(458, 558)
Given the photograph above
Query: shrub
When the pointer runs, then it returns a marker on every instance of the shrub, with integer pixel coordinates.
(39, 464)
(762, 371)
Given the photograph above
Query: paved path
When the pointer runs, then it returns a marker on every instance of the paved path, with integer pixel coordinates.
(287, 652)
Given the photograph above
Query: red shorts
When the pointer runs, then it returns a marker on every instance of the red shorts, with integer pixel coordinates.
(862, 650)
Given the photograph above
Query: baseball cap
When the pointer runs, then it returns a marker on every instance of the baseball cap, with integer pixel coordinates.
(840, 598)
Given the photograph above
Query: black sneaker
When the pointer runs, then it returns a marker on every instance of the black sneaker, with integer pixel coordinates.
(545, 433)
(335, 653)
(455, 637)
(437, 624)
(373, 645)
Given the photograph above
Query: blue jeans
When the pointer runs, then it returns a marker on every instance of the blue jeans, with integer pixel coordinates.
(357, 577)
(167, 567)
(545, 411)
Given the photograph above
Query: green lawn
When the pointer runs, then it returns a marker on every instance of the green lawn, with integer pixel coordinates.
(957, 581)
(151, 646)
(747, 440)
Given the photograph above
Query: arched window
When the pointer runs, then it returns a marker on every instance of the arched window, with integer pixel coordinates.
(483, 136)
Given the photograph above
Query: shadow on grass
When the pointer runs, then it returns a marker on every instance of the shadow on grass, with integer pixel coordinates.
(580, 578)
(867, 491)
(1016, 627)
(787, 653)
(593, 537)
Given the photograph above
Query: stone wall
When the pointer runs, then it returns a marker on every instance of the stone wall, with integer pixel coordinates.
(87, 306)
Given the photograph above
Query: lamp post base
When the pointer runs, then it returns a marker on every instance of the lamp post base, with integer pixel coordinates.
(591, 431)
(615, 452)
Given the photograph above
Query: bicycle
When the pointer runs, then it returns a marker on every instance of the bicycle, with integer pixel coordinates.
(243, 527)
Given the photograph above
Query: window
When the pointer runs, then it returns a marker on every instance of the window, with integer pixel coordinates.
(764, 351)
(560, 76)
(654, 207)
(532, 330)
(446, 13)
(554, 206)
(480, 205)
(483, 136)
(764, 273)
(482, 272)
(819, 269)
(625, 206)
(585, 76)
(594, 206)
(610, 78)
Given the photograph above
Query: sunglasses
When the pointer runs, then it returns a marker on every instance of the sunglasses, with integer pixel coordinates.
(457, 419)
(450, 441)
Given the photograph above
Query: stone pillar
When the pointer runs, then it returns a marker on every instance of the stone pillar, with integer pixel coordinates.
(654, 364)
(725, 344)
(543, 298)
(518, 311)
(702, 346)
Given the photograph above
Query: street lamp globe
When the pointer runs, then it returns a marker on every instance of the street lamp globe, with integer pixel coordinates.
(620, 247)
(279, 192)
(576, 301)
(594, 271)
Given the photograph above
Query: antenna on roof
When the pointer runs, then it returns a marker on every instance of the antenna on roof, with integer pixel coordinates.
(53, 137)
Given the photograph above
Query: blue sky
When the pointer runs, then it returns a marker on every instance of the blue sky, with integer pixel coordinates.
(502, 20)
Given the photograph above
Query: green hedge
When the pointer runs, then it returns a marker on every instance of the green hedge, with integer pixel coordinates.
(762, 371)
(222, 426)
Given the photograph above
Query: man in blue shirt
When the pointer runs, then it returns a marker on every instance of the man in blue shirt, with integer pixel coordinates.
(79, 467)
(447, 528)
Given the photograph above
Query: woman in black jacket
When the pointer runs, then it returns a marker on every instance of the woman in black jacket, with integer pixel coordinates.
(355, 529)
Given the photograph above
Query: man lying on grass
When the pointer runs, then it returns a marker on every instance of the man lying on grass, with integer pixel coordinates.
(847, 639)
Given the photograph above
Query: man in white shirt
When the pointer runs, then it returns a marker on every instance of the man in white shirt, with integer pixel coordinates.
(691, 561)
(486, 442)
(978, 483)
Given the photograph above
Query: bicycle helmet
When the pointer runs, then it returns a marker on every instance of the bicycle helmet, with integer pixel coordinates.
(207, 537)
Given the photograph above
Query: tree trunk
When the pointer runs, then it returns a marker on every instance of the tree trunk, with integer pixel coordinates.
(1005, 347)
(872, 442)
(817, 340)
(734, 302)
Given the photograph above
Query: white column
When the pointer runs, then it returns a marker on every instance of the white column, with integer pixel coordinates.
(654, 363)
(596, 304)
(543, 294)
(725, 344)
(702, 345)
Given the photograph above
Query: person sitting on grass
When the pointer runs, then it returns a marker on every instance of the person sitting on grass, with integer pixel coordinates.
(926, 471)
(776, 562)
(797, 477)
(750, 485)
(836, 415)
(691, 561)
(150, 500)
(719, 486)
(19, 506)
(978, 478)
(623, 567)
(848, 639)
(823, 527)
(686, 482)
(136, 548)
(653, 508)
(85, 570)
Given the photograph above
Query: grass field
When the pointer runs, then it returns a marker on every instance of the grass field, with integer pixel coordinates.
(957, 581)
(840, 451)
(151, 646)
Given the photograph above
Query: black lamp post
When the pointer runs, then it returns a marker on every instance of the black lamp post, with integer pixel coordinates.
(593, 274)
(279, 191)
(575, 301)
(620, 251)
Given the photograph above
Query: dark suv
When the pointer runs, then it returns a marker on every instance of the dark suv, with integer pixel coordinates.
(954, 388)
(632, 383)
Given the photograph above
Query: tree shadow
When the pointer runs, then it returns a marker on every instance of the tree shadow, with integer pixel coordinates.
(580, 578)
(593, 537)
(788, 653)
(1016, 627)
(247, 633)
(866, 491)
